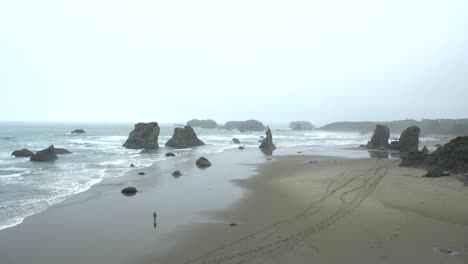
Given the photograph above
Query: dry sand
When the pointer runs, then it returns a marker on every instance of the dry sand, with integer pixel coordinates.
(335, 211)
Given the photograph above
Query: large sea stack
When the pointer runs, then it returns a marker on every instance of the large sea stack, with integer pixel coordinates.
(143, 136)
(409, 140)
(242, 126)
(301, 125)
(184, 137)
(452, 157)
(204, 123)
(380, 138)
(47, 154)
(267, 142)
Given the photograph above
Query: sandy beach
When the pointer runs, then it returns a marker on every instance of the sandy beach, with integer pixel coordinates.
(296, 209)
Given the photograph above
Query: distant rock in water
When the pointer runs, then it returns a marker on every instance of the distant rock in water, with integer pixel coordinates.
(203, 162)
(380, 138)
(241, 147)
(22, 153)
(301, 125)
(452, 157)
(129, 191)
(47, 154)
(170, 154)
(409, 140)
(267, 142)
(78, 131)
(184, 138)
(143, 136)
(62, 151)
(204, 123)
(242, 126)
(176, 173)
(235, 141)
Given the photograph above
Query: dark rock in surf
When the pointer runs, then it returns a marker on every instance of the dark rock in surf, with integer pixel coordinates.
(170, 154)
(129, 191)
(143, 136)
(203, 162)
(141, 173)
(184, 138)
(380, 138)
(241, 147)
(176, 173)
(409, 140)
(235, 141)
(22, 153)
(47, 154)
(78, 131)
(242, 126)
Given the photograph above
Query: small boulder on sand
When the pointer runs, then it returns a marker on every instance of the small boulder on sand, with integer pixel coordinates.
(203, 162)
(235, 141)
(129, 191)
(176, 173)
(78, 131)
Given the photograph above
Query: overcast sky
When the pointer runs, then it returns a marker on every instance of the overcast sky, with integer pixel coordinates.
(276, 61)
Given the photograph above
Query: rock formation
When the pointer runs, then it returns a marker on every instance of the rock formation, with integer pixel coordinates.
(235, 141)
(78, 131)
(452, 157)
(203, 162)
(176, 173)
(409, 140)
(143, 136)
(22, 153)
(204, 123)
(62, 151)
(184, 138)
(301, 125)
(170, 154)
(129, 191)
(267, 142)
(242, 126)
(380, 138)
(47, 154)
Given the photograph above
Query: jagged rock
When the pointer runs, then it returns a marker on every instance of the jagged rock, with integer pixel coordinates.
(425, 150)
(267, 143)
(62, 151)
(143, 136)
(235, 141)
(78, 131)
(47, 154)
(170, 154)
(129, 191)
(452, 157)
(22, 153)
(301, 125)
(409, 140)
(395, 145)
(249, 125)
(204, 123)
(203, 162)
(380, 138)
(241, 147)
(176, 173)
(132, 165)
(184, 138)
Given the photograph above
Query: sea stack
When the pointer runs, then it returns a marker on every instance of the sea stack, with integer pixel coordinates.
(301, 125)
(184, 137)
(22, 153)
(409, 140)
(78, 131)
(47, 154)
(267, 142)
(380, 138)
(143, 136)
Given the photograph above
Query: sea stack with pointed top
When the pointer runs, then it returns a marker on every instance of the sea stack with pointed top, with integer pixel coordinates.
(380, 138)
(267, 142)
(184, 137)
(47, 154)
(143, 136)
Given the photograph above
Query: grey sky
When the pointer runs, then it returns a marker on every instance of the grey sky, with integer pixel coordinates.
(276, 61)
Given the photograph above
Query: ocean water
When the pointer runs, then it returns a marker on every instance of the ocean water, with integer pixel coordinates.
(27, 188)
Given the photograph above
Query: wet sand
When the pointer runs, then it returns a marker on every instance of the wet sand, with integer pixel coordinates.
(298, 209)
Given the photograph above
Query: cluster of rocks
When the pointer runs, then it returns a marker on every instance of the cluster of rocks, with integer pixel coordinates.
(204, 123)
(407, 143)
(243, 126)
(450, 158)
(301, 125)
(47, 154)
(380, 138)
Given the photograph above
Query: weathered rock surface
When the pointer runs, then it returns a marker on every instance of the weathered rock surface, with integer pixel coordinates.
(129, 191)
(143, 136)
(184, 138)
(203, 162)
(235, 141)
(409, 140)
(267, 142)
(301, 125)
(380, 138)
(47, 154)
(22, 153)
(62, 151)
(78, 131)
(248, 125)
(452, 157)
(204, 123)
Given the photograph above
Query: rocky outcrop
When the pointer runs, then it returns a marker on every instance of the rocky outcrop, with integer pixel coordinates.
(301, 125)
(409, 140)
(452, 157)
(380, 138)
(170, 154)
(176, 173)
(47, 154)
(235, 141)
(22, 153)
(62, 151)
(184, 137)
(129, 191)
(242, 126)
(203, 162)
(143, 136)
(78, 131)
(241, 147)
(204, 123)
(267, 142)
